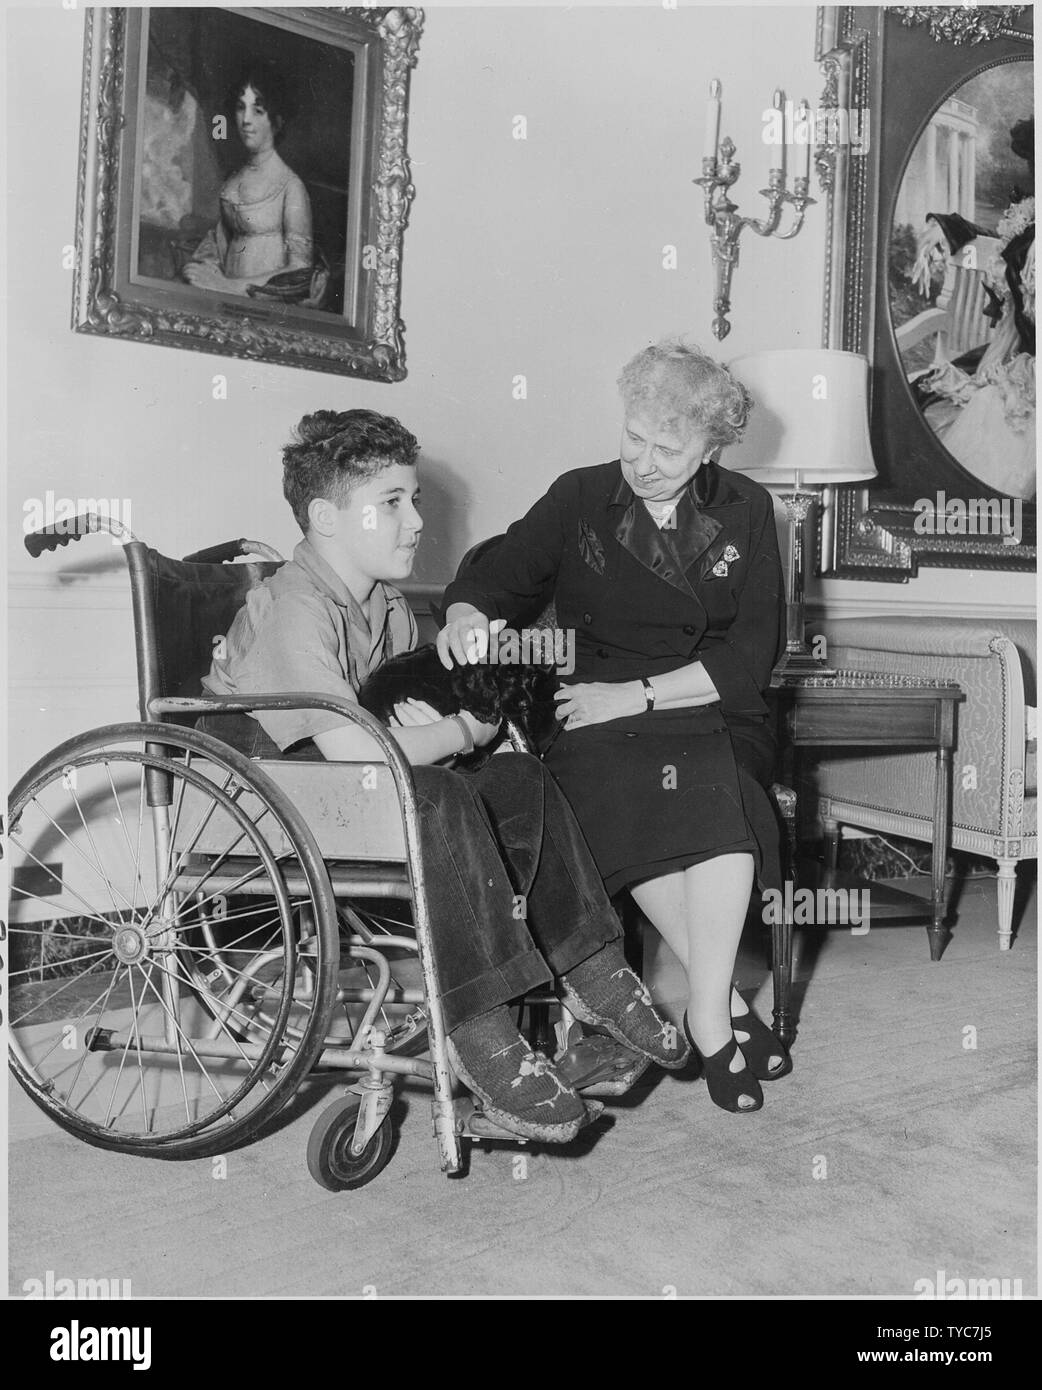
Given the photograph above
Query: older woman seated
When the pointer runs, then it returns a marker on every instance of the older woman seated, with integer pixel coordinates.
(666, 567)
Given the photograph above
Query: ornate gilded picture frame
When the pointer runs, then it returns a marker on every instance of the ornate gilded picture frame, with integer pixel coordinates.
(930, 254)
(244, 184)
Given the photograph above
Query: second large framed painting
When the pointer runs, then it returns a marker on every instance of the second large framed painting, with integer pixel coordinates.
(931, 274)
(244, 182)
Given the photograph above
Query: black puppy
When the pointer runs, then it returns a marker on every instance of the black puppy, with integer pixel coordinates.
(490, 691)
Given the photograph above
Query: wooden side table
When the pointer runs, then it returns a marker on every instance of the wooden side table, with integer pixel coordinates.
(867, 709)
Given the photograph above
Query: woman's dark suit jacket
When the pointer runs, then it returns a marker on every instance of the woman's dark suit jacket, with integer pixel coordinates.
(643, 601)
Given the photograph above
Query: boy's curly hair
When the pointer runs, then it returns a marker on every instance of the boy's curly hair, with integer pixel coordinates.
(333, 451)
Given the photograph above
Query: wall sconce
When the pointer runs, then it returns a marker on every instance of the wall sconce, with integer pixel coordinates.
(720, 172)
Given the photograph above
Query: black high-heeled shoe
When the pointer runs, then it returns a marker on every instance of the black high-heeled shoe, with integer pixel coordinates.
(763, 1044)
(726, 1087)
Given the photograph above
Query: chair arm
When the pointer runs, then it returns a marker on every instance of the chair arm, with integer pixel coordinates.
(293, 699)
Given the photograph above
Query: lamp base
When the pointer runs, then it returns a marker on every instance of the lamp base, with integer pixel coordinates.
(796, 665)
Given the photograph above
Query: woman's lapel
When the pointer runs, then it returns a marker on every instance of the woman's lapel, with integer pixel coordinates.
(696, 534)
(680, 554)
(651, 547)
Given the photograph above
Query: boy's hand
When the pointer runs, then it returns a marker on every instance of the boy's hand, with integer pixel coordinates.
(481, 733)
(411, 714)
(464, 640)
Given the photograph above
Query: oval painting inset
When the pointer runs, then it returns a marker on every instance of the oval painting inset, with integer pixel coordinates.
(962, 277)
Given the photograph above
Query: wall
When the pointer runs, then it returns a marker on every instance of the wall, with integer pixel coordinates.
(540, 257)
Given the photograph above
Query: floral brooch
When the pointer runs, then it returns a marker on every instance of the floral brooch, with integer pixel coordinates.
(722, 567)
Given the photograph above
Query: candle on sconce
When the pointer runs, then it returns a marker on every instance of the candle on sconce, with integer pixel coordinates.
(721, 213)
(803, 150)
(779, 106)
(713, 121)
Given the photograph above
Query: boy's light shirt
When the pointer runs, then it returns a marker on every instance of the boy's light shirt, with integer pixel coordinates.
(303, 630)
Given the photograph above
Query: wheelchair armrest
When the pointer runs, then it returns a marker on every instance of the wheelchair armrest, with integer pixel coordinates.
(293, 699)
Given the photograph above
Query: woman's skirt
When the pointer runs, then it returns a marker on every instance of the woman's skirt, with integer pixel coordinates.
(660, 791)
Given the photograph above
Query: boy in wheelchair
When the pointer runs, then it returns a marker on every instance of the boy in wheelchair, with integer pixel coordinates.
(515, 899)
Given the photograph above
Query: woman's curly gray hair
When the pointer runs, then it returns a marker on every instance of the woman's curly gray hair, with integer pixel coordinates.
(683, 389)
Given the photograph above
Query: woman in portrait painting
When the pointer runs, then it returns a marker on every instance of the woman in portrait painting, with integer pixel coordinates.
(262, 245)
(982, 405)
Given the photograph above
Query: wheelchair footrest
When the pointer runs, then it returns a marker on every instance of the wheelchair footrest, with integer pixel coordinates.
(598, 1065)
(473, 1123)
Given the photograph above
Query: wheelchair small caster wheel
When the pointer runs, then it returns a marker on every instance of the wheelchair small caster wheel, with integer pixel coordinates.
(330, 1160)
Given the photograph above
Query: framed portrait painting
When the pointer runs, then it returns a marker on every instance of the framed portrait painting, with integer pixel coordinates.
(931, 275)
(244, 184)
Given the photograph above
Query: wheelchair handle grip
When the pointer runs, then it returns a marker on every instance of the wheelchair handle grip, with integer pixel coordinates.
(231, 550)
(74, 529)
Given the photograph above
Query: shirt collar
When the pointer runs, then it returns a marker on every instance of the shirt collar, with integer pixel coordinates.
(381, 602)
(323, 575)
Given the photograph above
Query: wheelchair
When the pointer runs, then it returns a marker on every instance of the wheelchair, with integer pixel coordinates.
(195, 932)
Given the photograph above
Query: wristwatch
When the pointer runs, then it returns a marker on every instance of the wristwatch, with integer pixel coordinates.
(649, 693)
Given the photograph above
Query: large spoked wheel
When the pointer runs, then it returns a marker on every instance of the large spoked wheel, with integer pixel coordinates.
(332, 1160)
(132, 849)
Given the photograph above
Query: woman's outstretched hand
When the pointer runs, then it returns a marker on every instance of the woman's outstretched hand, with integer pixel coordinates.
(464, 640)
(599, 701)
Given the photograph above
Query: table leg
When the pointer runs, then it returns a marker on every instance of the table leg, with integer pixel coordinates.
(781, 969)
(941, 835)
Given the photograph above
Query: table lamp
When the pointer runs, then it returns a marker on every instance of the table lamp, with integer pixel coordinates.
(808, 428)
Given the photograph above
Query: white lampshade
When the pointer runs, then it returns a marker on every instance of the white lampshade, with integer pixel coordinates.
(809, 422)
